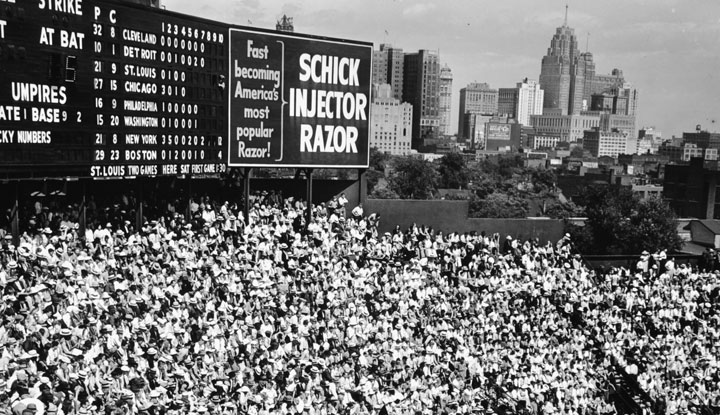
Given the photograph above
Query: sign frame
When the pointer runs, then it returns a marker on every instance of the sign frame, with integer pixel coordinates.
(308, 38)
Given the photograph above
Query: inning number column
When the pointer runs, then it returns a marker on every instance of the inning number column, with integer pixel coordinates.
(193, 102)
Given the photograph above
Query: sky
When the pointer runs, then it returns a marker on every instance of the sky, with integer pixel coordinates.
(668, 49)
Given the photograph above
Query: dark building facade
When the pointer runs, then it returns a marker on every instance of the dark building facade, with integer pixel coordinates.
(703, 139)
(692, 190)
(421, 88)
(507, 101)
(388, 64)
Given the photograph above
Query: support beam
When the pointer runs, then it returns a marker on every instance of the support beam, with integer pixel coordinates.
(15, 216)
(188, 209)
(711, 195)
(362, 186)
(140, 202)
(308, 197)
(82, 219)
(247, 174)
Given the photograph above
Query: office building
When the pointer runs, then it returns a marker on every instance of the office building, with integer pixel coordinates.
(570, 128)
(601, 143)
(562, 72)
(605, 82)
(421, 88)
(569, 79)
(507, 101)
(619, 101)
(649, 140)
(476, 98)
(698, 144)
(388, 64)
(446, 79)
(390, 122)
(530, 101)
(703, 139)
(537, 142)
(474, 129)
(622, 123)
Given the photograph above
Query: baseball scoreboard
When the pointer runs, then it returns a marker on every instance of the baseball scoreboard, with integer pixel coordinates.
(109, 89)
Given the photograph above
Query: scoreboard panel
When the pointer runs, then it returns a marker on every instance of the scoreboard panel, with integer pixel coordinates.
(104, 89)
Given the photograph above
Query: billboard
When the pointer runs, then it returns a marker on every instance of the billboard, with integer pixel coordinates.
(497, 131)
(297, 101)
(106, 89)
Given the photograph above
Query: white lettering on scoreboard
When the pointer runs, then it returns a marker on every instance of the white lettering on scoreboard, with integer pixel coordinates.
(147, 110)
(62, 6)
(112, 90)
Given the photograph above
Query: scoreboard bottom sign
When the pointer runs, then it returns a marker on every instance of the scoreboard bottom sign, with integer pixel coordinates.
(136, 170)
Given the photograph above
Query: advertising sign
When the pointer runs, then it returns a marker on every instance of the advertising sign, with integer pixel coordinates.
(496, 131)
(297, 101)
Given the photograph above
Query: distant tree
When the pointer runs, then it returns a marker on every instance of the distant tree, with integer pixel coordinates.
(373, 177)
(510, 165)
(558, 210)
(608, 209)
(453, 171)
(654, 227)
(383, 193)
(413, 178)
(577, 152)
(456, 196)
(618, 222)
(499, 205)
(482, 186)
(543, 179)
(378, 162)
(378, 159)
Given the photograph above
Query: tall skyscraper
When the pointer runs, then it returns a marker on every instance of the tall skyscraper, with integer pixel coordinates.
(565, 72)
(521, 102)
(421, 83)
(388, 64)
(446, 79)
(476, 98)
(285, 24)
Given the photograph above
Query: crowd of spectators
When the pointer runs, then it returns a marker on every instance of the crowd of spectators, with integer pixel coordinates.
(661, 323)
(218, 313)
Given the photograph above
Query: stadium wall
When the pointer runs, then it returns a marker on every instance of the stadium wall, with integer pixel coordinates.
(452, 216)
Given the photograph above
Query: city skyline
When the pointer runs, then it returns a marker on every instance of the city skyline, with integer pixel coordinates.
(664, 47)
